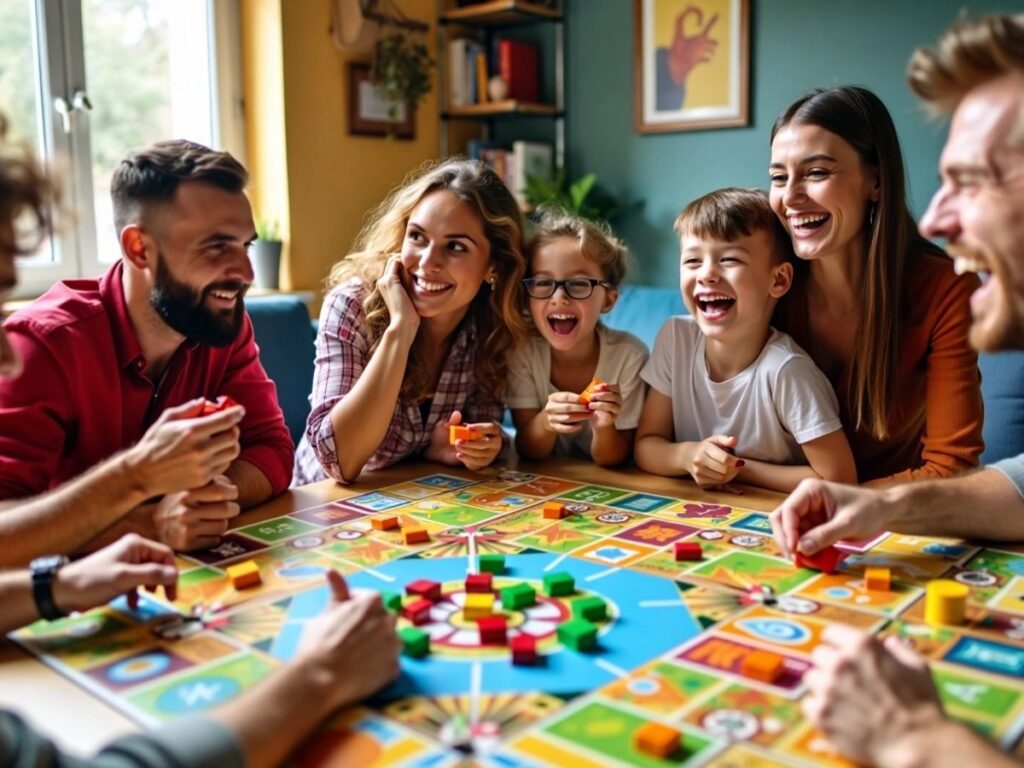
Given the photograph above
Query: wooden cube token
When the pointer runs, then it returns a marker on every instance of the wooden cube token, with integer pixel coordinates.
(590, 608)
(415, 642)
(492, 563)
(244, 575)
(493, 630)
(827, 560)
(428, 590)
(417, 611)
(878, 579)
(518, 596)
(656, 739)
(763, 666)
(415, 535)
(478, 606)
(392, 601)
(559, 584)
(688, 550)
(555, 510)
(524, 650)
(578, 634)
(221, 404)
(459, 432)
(384, 523)
(589, 392)
(480, 582)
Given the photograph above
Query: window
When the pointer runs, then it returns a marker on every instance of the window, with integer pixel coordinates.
(105, 77)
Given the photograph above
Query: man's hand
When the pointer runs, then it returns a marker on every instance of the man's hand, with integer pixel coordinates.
(869, 698)
(710, 462)
(605, 404)
(818, 514)
(196, 519)
(352, 646)
(121, 567)
(565, 413)
(183, 450)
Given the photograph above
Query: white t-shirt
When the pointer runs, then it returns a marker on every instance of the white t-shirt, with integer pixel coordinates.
(777, 403)
(620, 358)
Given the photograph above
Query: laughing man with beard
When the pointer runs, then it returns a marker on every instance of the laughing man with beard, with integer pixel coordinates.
(103, 359)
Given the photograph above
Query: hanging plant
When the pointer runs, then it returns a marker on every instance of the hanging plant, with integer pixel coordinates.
(401, 69)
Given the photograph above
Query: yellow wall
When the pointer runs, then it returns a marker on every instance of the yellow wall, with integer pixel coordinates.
(302, 154)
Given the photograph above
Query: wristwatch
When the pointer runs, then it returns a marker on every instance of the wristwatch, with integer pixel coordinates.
(43, 570)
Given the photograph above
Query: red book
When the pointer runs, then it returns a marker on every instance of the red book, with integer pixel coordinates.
(519, 65)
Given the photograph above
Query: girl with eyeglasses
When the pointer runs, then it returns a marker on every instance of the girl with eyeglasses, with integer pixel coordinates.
(575, 270)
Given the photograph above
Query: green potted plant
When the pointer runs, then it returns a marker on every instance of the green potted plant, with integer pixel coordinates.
(266, 255)
(401, 69)
(579, 197)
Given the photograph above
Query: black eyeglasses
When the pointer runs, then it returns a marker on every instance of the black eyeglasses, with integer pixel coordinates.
(574, 287)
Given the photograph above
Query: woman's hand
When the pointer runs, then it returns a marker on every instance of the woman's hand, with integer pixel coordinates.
(392, 287)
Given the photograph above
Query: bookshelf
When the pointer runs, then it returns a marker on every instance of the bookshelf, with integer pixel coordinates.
(483, 21)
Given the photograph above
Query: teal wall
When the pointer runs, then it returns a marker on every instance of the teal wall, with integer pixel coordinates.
(795, 45)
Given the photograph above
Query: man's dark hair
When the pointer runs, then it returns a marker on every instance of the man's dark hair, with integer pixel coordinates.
(153, 174)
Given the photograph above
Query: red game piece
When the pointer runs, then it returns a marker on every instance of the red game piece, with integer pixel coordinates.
(688, 550)
(492, 630)
(479, 582)
(524, 650)
(827, 560)
(223, 403)
(429, 590)
(418, 611)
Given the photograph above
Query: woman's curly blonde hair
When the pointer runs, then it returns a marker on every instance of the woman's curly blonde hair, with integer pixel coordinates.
(496, 310)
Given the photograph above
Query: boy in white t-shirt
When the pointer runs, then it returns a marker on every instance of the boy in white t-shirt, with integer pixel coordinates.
(575, 270)
(731, 398)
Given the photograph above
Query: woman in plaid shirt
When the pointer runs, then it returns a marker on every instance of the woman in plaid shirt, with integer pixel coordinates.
(416, 329)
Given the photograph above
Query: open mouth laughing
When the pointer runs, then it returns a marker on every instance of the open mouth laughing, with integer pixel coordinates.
(563, 323)
(429, 287)
(714, 306)
(806, 223)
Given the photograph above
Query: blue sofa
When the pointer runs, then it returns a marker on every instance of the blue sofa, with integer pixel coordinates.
(286, 338)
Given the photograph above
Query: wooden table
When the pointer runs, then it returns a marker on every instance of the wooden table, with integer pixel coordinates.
(81, 723)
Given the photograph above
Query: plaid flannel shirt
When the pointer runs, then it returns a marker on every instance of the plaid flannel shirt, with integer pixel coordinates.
(342, 352)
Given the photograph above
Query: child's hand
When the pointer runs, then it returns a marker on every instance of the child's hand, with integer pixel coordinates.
(711, 462)
(605, 404)
(565, 413)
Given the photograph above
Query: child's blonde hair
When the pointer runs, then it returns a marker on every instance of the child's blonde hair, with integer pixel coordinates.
(731, 213)
(595, 240)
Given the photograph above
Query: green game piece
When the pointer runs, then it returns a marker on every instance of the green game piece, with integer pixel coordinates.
(518, 596)
(559, 584)
(578, 634)
(392, 601)
(415, 642)
(492, 563)
(590, 608)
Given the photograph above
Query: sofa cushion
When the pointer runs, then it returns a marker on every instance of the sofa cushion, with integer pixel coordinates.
(1002, 388)
(286, 340)
(643, 309)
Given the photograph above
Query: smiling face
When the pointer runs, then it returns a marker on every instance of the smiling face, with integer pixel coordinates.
(562, 320)
(731, 287)
(821, 191)
(202, 268)
(979, 209)
(446, 255)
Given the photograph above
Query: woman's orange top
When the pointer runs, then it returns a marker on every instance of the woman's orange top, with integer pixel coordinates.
(935, 426)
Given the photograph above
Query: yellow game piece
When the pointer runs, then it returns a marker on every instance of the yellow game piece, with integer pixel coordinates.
(656, 739)
(878, 579)
(384, 523)
(415, 535)
(478, 605)
(555, 510)
(459, 432)
(763, 666)
(587, 393)
(945, 602)
(244, 575)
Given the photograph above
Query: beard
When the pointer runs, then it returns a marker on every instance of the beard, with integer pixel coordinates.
(184, 308)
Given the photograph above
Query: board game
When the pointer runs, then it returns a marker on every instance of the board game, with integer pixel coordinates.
(673, 638)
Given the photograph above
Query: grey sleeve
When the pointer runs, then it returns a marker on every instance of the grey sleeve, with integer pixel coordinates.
(190, 743)
(1013, 468)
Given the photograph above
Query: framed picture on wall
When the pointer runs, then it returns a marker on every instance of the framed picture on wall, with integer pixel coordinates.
(691, 61)
(370, 113)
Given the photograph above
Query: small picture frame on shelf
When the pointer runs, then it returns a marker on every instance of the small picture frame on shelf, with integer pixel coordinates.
(370, 113)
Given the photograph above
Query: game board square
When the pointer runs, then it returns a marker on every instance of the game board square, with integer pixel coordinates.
(656, 533)
(374, 502)
(232, 545)
(443, 482)
(642, 502)
(328, 514)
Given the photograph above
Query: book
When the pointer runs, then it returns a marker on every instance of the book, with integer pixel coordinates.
(520, 69)
(530, 158)
(458, 74)
(481, 77)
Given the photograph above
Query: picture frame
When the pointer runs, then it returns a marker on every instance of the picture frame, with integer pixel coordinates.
(691, 64)
(368, 110)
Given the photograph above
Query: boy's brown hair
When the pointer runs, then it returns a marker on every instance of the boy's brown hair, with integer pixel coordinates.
(731, 213)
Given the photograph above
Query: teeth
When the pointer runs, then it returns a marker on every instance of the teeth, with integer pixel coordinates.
(426, 284)
(712, 297)
(962, 264)
(561, 317)
(813, 218)
(224, 295)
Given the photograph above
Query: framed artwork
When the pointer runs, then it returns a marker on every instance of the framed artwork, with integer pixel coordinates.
(370, 113)
(691, 61)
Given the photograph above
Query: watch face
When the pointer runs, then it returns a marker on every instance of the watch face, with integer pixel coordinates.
(48, 562)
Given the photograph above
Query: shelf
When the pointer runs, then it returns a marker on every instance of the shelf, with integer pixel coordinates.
(501, 13)
(506, 107)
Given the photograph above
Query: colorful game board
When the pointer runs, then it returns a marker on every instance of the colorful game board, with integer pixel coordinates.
(671, 648)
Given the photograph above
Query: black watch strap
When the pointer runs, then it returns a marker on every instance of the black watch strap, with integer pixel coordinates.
(43, 571)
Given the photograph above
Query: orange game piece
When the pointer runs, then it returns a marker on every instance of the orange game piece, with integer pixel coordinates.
(587, 393)
(878, 579)
(763, 666)
(555, 510)
(384, 523)
(415, 535)
(244, 575)
(459, 432)
(656, 739)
